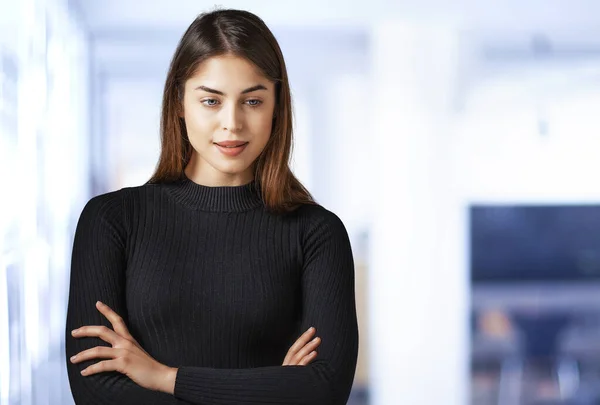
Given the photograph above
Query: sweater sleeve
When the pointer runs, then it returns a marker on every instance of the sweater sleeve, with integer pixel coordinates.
(328, 305)
(98, 265)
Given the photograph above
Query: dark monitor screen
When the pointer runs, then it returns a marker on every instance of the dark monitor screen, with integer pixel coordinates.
(534, 243)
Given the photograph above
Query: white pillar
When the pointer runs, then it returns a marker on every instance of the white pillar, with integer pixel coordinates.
(418, 284)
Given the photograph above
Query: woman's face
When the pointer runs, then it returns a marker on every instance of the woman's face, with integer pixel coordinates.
(226, 103)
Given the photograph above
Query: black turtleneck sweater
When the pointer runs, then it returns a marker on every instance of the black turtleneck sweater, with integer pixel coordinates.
(211, 283)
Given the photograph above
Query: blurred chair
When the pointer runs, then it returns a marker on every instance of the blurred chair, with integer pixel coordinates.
(497, 344)
(578, 361)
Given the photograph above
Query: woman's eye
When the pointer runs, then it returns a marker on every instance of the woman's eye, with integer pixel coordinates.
(254, 103)
(210, 102)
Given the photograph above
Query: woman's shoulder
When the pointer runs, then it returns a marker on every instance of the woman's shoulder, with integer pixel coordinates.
(323, 234)
(105, 209)
(314, 211)
(118, 199)
(112, 209)
(317, 218)
(104, 203)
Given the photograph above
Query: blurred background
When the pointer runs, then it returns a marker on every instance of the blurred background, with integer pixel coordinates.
(458, 141)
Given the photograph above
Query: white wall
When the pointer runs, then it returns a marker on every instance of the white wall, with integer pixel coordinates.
(500, 153)
(132, 129)
(417, 284)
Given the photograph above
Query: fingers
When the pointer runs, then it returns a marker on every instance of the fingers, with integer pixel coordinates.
(308, 349)
(119, 335)
(307, 359)
(303, 351)
(118, 362)
(106, 365)
(116, 321)
(299, 344)
(98, 352)
(104, 333)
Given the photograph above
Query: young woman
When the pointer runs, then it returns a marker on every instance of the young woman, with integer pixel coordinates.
(194, 288)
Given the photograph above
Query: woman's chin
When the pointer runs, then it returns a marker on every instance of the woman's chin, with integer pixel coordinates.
(233, 169)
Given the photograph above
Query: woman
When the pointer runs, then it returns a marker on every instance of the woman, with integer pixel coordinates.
(209, 272)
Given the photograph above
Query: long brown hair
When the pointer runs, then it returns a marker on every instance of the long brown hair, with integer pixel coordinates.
(246, 35)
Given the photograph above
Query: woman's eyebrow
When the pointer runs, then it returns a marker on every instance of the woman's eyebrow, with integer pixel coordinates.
(248, 90)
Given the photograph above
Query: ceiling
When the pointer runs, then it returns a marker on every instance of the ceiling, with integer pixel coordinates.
(560, 15)
(127, 34)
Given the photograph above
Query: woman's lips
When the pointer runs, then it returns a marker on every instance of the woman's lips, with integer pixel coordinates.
(231, 148)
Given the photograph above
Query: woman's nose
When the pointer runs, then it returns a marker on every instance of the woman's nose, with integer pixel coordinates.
(232, 120)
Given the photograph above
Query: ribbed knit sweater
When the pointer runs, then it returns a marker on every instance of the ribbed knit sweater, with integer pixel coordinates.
(210, 282)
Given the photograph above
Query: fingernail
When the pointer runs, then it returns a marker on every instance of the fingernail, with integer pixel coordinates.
(99, 303)
(73, 358)
(74, 331)
(84, 372)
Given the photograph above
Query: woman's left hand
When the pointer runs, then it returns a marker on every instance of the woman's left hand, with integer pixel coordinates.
(126, 355)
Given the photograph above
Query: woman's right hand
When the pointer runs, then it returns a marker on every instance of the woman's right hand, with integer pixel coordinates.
(303, 351)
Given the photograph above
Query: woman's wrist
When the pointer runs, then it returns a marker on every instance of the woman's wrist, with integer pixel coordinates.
(167, 380)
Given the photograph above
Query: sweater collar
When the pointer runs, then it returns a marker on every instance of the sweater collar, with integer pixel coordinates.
(216, 198)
